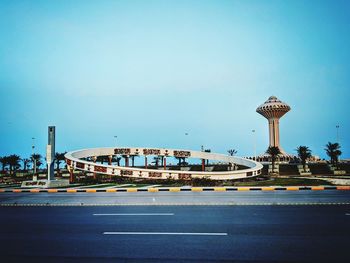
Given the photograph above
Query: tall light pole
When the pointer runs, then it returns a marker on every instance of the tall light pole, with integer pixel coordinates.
(337, 127)
(115, 137)
(253, 131)
(34, 160)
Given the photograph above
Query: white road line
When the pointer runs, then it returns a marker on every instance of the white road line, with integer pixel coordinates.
(165, 233)
(137, 214)
(347, 214)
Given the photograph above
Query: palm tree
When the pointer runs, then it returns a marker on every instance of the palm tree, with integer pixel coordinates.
(304, 153)
(4, 162)
(102, 159)
(179, 160)
(118, 160)
(13, 161)
(231, 152)
(59, 157)
(333, 151)
(273, 151)
(26, 163)
(114, 159)
(207, 151)
(156, 160)
(132, 156)
(36, 157)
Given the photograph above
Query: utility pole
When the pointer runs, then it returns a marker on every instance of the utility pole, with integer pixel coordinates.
(253, 131)
(34, 160)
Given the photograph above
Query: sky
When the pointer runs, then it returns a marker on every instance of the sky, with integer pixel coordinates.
(150, 72)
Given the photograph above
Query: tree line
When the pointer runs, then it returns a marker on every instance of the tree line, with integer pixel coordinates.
(13, 162)
(304, 153)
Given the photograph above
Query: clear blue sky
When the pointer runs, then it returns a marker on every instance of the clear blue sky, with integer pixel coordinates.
(151, 71)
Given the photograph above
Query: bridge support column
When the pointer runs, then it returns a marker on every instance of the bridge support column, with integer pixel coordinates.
(94, 159)
(110, 158)
(203, 165)
(71, 174)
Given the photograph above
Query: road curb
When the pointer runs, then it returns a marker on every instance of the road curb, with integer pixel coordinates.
(177, 189)
(15, 204)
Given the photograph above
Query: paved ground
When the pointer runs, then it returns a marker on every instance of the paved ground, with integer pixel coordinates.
(254, 226)
(335, 180)
(179, 198)
(175, 234)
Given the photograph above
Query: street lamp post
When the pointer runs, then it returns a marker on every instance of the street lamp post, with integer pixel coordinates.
(337, 127)
(115, 137)
(253, 131)
(34, 160)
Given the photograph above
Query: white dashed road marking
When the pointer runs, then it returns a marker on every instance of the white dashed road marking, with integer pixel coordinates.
(165, 233)
(137, 214)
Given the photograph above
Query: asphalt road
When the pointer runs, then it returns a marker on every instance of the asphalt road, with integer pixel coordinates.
(175, 234)
(179, 198)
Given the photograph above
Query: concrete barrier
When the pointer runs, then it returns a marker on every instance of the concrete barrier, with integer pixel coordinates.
(268, 189)
(317, 188)
(343, 187)
(243, 188)
(220, 189)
